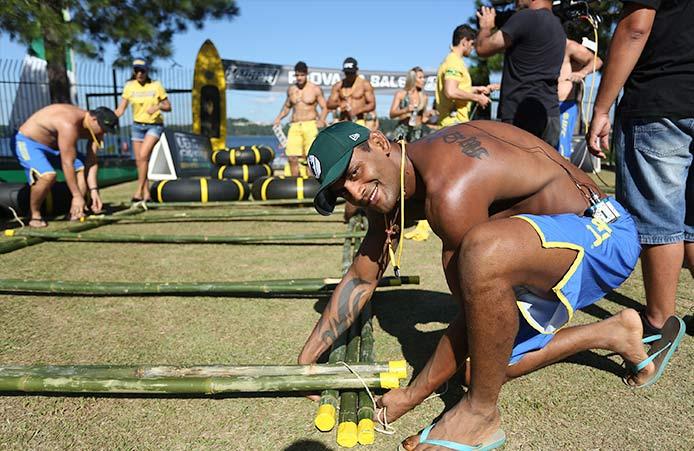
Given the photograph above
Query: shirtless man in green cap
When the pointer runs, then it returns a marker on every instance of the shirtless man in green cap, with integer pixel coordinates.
(527, 240)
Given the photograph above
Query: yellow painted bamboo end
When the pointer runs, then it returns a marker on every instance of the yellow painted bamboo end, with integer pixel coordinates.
(366, 434)
(325, 418)
(389, 380)
(398, 367)
(347, 434)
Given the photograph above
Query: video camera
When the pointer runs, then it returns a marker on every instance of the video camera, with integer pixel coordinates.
(566, 10)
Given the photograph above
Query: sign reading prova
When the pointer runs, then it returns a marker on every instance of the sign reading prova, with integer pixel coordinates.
(245, 75)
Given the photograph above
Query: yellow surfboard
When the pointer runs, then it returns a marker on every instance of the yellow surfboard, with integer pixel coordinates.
(209, 96)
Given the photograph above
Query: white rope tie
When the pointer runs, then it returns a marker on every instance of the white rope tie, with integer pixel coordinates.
(387, 429)
(16, 217)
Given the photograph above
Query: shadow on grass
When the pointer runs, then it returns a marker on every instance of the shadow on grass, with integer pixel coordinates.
(624, 301)
(306, 445)
(600, 313)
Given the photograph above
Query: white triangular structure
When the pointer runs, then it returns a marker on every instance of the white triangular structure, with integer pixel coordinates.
(161, 163)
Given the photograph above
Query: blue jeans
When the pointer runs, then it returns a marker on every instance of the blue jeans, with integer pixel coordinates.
(139, 130)
(655, 177)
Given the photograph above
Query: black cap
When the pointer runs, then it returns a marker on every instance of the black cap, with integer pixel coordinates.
(107, 119)
(350, 65)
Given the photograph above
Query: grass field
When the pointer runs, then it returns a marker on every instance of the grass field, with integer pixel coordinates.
(578, 404)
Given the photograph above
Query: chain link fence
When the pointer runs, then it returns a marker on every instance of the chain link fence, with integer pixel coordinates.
(24, 90)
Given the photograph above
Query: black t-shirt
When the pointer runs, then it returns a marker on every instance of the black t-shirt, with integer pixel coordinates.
(531, 64)
(662, 83)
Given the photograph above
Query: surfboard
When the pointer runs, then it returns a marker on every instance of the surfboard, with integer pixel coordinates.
(209, 96)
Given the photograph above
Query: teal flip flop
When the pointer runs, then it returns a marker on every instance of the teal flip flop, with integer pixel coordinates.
(497, 440)
(664, 346)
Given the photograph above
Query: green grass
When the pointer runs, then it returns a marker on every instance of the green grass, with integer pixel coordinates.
(580, 404)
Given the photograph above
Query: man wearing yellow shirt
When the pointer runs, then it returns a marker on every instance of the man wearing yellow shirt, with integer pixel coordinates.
(454, 90)
(148, 99)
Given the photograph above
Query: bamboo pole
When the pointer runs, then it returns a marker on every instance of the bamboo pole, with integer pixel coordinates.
(366, 433)
(24, 241)
(198, 371)
(347, 426)
(177, 239)
(235, 204)
(219, 215)
(362, 226)
(262, 287)
(330, 398)
(101, 382)
(347, 246)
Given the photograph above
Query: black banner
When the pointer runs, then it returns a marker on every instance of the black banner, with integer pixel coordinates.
(246, 75)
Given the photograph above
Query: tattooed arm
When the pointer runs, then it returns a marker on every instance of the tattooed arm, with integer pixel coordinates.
(351, 294)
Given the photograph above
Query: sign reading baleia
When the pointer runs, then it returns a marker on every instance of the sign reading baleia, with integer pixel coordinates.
(246, 75)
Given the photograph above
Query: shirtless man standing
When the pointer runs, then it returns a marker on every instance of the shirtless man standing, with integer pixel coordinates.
(303, 99)
(353, 97)
(577, 64)
(50, 136)
(517, 221)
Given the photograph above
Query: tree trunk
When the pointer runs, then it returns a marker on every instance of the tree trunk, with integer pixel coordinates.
(58, 82)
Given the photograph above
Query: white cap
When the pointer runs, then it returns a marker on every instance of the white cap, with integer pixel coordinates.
(590, 45)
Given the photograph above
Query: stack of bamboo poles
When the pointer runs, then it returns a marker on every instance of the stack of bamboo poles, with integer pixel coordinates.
(355, 348)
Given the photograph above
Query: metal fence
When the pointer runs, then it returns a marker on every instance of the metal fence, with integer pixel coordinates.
(24, 90)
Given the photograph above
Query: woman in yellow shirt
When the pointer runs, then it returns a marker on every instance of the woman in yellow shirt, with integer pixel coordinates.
(148, 99)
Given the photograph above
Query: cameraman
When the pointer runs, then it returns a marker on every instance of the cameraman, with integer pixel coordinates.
(533, 40)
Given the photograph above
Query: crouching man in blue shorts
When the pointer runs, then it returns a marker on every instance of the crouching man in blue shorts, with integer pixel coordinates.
(527, 239)
(50, 137)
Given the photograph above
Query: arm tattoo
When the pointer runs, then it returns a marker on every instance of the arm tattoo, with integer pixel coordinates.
(469, 146)
(347, 309)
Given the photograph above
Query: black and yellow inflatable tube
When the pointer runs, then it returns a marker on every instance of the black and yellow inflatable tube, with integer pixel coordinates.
(267, 188)
(245, 172)
(256, 154)
(199, 190)
(16, 196)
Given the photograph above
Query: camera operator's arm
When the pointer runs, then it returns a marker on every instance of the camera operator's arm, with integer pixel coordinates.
(489, 43)
(626, 46)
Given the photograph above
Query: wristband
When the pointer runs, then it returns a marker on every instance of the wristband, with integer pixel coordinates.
(93, 189)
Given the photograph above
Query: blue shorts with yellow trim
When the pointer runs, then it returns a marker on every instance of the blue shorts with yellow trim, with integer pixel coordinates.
(606, 254)
(38, 159)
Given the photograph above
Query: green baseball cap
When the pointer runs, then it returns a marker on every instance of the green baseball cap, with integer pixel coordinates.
(329, 157)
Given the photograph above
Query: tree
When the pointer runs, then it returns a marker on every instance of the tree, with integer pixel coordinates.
(87, 26)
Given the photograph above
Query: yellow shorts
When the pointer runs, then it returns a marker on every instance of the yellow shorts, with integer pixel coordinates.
(300, 138)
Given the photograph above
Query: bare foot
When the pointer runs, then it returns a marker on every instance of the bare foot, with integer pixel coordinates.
(37, 222)
(627, 343)
(462, 424)
(394, 404)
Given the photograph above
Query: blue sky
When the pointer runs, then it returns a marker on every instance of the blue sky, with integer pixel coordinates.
(380, 34)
